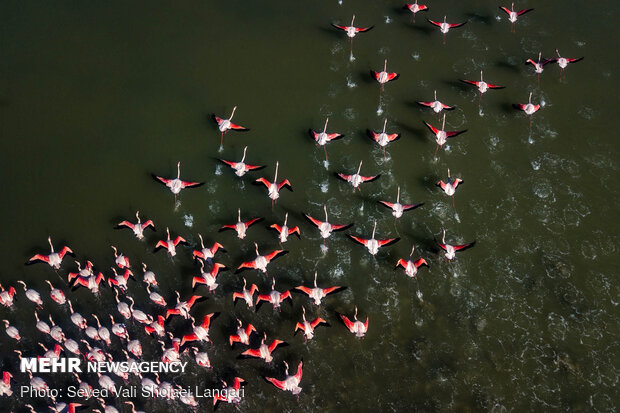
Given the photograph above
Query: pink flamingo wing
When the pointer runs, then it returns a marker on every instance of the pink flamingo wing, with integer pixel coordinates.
(278, 383)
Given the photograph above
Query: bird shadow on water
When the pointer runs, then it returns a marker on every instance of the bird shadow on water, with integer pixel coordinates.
(488, 20)
(331, 32)
(455, 84)
(507, 108)
(422, 28)
(418, 133)
(502, 64)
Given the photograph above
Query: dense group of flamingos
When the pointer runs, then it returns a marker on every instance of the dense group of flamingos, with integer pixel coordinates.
(100, 340)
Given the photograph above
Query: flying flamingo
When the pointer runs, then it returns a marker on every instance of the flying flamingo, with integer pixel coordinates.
(445, 27)
(275, 186)
(156, 327)
(56, 294)
(351, 31)
(451, 250)
(308, 326)
(241, 168)
(316, 293)
(261, 261)
(242, 335)
(436, 105)
(224, 125)
(208, 278)
(415, 8)
(398, 208)
(356, 179)
(563, 62)
(6, 296)
(177, 184)
(482, 86)
(384, 76)
(182, 308)
(91, 282)
(241, 226)
(323, 138)
(246, 295)
(285, 231)
(513, 15)
(411, 267)
(202, 358)
(139, 227)
(356, 327)
(85, 272)
(373, 244)
(229, 394)
(529, 109)
(207, 254)
(539, 65)
(325, 227)
(201, 332)
(290, 383)
(54, 259)
(32, 295)
(274, 297)
(383, 138)
(263, 351)
(449, 187)
(441, 136)
(169, 244)
(120, 281)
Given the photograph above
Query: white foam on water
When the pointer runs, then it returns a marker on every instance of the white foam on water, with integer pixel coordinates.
(350, 113)
(350, 83)
(351, 57)
(324, 187)
(221, 149)
(218, 169)
(388, 20)
(415, 56)
(188, 220)
(326, 163)
(379, 110)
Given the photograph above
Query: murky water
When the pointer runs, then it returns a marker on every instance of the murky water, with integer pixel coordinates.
(97, 96)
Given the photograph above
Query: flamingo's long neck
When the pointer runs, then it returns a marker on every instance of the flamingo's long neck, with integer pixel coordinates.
(530, 99)
(256, 246)
(352, 20)
(355, 315)
(374, 229)
(49, 240)
(435, 93)
(233, 113)
(138, 217)
(325, 127)
(385, 66)
(275, 178)
(359, 168)
(239, 215)
(398, 196)
(244, 150)
(325, 209)
(384, 124)
(412, 249)
(315, 273)
(443, 238)
(481, 76)
(285, 218)
(179, 170)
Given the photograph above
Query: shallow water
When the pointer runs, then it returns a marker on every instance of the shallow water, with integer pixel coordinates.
(96, 97)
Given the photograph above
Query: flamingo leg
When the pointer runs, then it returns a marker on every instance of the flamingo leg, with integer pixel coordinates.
(436, 148)
(325, 150)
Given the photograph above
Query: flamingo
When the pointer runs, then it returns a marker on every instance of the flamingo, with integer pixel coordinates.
(246, 295)
(202, 358)
(139, 227)
(5, 384)
(135, 348)
(284, 231)
(241, 226)
(120, 281)
(224, 125)
(85, 272)
(263, 351)
(316, 293)
(512, 14)
(383, 139)
(482, 86)
(411, 267)
(538, 65)
(156, 327)
(436, 105)
(92, 282)
(241, 168)
(169, 244)
(11, 331)
(356, 327)
(56, 294)
(308, 327)
(415, 8)
(76, 318)
(133, 407)
(208, 278)
(441, 136)
(323, 138)
(449, 187)
(373, 244)
(201, 332)
(72, 346)
(149, 276)
(119, 329)
(445, 27)
(156, 297)
(121, 261)
(42, 326)
(290, 383)
(176, 184)
(398, 208)
(274, 187)
(229, 394)
(529, 108)
(207, 254)
(32, 295)
(351, 31)
(54, 259)
(139, 315)
(182, 308)
(274, 297)
(84, 388)
(242, 335)
(325, 227)
(6, 296)
(103, 332)
(55, 331)
(384, 76)
(122, 307)
(356, 179)
(261, 261)
(563, 62)
(451, 250)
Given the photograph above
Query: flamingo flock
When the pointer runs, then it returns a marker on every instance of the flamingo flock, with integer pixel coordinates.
(188, 336)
